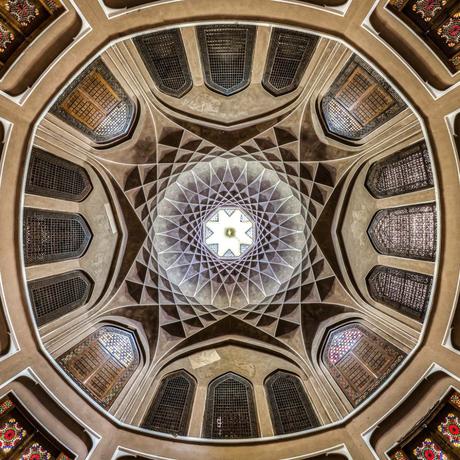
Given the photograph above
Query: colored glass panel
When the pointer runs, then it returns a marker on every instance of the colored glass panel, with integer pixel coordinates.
(455, 399)
(35, 452)
(450, 429)
(11, 434)
(428, 9)
(429, 450)
(342, 343)
(23, 11)
(6, 405)
(6, 37)
(449, 31)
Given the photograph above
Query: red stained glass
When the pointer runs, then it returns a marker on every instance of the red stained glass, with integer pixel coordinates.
(450, 429)
(429, 450)
(36, 452)
(23, 11)
(11, 434)
(450, 30)
(428, 9)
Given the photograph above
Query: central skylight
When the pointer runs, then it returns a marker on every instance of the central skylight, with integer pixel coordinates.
(229, 233)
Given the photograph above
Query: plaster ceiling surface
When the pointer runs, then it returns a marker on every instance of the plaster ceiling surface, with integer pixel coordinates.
(281, 277)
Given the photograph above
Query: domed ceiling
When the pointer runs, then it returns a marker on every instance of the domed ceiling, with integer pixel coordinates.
(222, 203)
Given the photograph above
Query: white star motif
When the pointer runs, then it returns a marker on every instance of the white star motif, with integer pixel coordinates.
(229, 233)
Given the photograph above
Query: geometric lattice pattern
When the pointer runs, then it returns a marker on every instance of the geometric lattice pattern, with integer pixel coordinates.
(55, 177)
(359, 360)
(226, 55)
(53, 236)
(230, 409)
(290, 409)
(408, 292)
(171, 408)
(406, 171)
(96, 105)
(408, 231)
(288, 57)
(193, 177)
(359, 101)
(57, 295)
(164, 56)
(102, 363)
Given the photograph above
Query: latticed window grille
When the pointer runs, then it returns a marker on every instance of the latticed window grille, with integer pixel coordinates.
(288, 57)
(359, 360)
(408, 231)
(226, 54)
(164, 56)
(23, 438)
(290, 408)
(402, 172)
(96, 105)
(55, 177)
(230, 409)
(406, 291)
(171, 408)
(56, 295)
(103, 363)
(359, 101)
(53, 236)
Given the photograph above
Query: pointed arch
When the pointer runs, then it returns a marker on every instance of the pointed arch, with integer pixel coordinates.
(230, 409)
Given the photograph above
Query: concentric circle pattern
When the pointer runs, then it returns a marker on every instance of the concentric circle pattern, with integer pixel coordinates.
(263, 270)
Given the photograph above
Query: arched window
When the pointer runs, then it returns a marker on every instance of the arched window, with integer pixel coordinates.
(290, 408)
(96, 105)
(56, 295)
(402, 172)
(55, 177)
(164, 56)
(359, 360)
(359, 101)
(408, 231)
(53, 236)
(406, 291)
(288, 57)
(230, 409)
(172, 406)
(103, 363)
(226, 54)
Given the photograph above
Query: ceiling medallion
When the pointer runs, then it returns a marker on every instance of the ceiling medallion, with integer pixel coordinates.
(252, 239)
(229, 233)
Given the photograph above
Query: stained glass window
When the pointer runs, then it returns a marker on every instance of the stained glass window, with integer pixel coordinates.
(408, 231)
(171, 408)
(406, 171)
(103, 363)
(359, 101)
(406, 291)
(20, 22)
(227, 53)
(96, 105)
(359, 360)
(21, 436)
(290, 408)
(230, 409)
(437, 437)
(437, 22)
